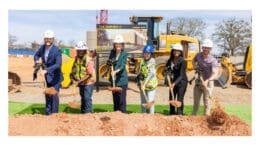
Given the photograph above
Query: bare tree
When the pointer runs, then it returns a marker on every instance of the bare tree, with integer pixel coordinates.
(11, 40)
(233, 34)
(59, 43)
(72, 43)
(193, 27)
(35, 45)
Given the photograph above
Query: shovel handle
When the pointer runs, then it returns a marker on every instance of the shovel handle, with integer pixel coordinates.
(113, 78)
(74, 90)
(142, 90)
(170, 83)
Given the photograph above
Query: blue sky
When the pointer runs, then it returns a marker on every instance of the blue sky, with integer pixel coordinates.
(29, 25)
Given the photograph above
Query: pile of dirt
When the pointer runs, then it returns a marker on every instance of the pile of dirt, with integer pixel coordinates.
(119, 124)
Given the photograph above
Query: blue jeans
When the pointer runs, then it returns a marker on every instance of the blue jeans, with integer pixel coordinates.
(86, 97)
(52, 101)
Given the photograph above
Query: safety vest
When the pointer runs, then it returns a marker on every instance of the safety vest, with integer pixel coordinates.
(144, 69)
(81, 69)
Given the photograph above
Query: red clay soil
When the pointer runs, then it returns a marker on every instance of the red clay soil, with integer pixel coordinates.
(119, 124)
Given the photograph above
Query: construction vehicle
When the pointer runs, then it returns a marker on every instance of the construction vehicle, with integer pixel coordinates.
(161, 42)
(230, 73)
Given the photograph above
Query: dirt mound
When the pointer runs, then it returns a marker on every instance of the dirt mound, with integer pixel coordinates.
(119, 124)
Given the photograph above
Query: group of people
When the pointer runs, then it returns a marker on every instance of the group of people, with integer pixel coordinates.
(84, 76)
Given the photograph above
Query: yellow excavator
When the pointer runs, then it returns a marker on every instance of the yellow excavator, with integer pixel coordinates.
(230, 73)
(162, 43)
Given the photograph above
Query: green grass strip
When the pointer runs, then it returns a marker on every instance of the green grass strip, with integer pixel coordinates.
(242, 111)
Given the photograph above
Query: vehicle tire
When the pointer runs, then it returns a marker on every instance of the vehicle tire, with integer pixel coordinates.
(160, 65)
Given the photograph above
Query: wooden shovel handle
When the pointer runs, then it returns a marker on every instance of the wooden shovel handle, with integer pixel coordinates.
(113, 78)
(169, 82)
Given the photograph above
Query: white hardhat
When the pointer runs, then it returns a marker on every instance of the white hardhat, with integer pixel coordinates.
(118, 39)
(81, 45)
(48, 34)
(177, 47)
(207, 43)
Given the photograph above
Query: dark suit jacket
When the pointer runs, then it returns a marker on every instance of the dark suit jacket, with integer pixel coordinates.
(178, 75)
(53, 64)
(121, 77)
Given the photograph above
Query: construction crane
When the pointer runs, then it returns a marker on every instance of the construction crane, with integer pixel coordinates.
(102, 17)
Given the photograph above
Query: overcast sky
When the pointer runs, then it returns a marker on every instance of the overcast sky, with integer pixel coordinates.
(29, 25)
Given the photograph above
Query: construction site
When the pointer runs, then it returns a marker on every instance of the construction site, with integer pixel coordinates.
(231, 92)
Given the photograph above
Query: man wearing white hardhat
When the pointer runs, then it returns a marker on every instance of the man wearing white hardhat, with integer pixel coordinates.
(84, 76)
(176, 70)
(207, 66)
(51, 60)
(118, 57)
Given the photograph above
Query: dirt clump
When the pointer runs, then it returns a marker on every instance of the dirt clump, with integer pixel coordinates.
(218, 115)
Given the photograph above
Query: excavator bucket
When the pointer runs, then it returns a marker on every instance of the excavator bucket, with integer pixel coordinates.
(14, 81)
(224, 75)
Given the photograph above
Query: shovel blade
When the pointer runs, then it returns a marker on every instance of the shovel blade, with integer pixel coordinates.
(74, 104)
(175, 103)
(148, 105)
(115, 89)
(50, 91)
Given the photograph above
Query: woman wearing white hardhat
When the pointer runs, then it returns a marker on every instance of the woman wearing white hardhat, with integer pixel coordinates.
(207, 66)
(119, 58)
(51, 59)
(84, 76)
(176, 69)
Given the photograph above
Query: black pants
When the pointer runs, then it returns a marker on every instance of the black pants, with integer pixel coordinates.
(119, 99)
(179, 91)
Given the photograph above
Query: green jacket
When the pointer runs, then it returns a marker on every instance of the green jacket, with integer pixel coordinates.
(121, 77)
